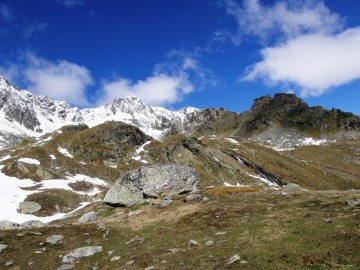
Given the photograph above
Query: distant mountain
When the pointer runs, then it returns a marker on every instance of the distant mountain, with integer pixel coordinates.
(23, 113)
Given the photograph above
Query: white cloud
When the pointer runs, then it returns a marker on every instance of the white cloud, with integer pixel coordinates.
(160, 89)
(171, 81)
(286, 19)
(314, 63)
(61, 80)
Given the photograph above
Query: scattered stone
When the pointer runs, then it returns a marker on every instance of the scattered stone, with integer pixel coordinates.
(101, 226)
(106, 233)
(31, 224)
(165, 203)
(111, 252)
(192, 243)
(291, 187)
(134, 213)
(66, 267)
(29, 207)
(220, 233)
(20, 234)
(88, 217)
(205, 199)
(151, 181)
(9, 263)
(244, 262)
(164, 261)
(115, 258)
(232, 259)
(269, 208)
(150, 267)
(209, 243)
(193, 197)
(139, 239)
(36, 233)
(351, 203)
(130, 262)
(327, 220)
(81, 252)
(8, 225)
(283, 193)
(41, 250)
(117, 214)
(210, 187)
(54, 239)
(2, 247)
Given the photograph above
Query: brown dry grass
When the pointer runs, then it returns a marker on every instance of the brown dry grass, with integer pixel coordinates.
(222, 191)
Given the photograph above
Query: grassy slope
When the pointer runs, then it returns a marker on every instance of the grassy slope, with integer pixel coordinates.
(267, 230)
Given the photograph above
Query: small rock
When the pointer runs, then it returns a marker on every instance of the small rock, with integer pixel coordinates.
(220, 233)
(54, 239)
(327, 220)
(81, 252)
(29, 207)
(291, 187)
(139, 239)
(283, 193)
(150, 267)
(164, 261)
(130, 262)
(88, 217)
(165, 203)
(2, 247)
(205, 199)
(232, 259)
(32, 224)
(9, 263)
(115, 258)
(244, 262)
(65, 267)
(351, 203)
(8, 225)
(193, 197)
(192, 243)
(134, 213)
(209, 243)
(36, 233)
(118, 214)
(111, 252)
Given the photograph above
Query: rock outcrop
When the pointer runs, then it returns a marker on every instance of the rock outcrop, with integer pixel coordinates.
(134, 187)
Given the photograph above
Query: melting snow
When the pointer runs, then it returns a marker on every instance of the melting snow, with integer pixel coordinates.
(64, 152)
(141, 149)
(11, 195)
(30, 161)
(52, 157)
(264, 179)
(5, 158)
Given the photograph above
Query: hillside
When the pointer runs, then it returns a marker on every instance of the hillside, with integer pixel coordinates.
(65, 160)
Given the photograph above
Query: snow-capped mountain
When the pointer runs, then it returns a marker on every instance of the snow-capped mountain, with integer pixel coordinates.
(23, 113)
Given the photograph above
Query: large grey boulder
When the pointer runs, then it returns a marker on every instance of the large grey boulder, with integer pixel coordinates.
(134, 187)
(81, 252)
(29, 207)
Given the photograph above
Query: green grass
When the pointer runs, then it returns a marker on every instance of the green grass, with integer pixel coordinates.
(265, 229)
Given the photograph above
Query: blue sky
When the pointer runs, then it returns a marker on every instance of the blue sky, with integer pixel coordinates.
(177, 53)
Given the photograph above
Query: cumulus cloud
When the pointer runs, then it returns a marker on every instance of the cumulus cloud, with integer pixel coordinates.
(171, 81)
(307, 45)
(285, 19)
(160, 89)
(61, 80)
(313, 63)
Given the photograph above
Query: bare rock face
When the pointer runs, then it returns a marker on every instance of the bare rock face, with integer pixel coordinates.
(134, 187)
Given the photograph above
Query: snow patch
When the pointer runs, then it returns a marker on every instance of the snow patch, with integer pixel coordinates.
(29, 161)
(52, 157)
(64, 152)
(141, 148)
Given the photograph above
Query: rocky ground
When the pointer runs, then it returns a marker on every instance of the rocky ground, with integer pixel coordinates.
(234, 228)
